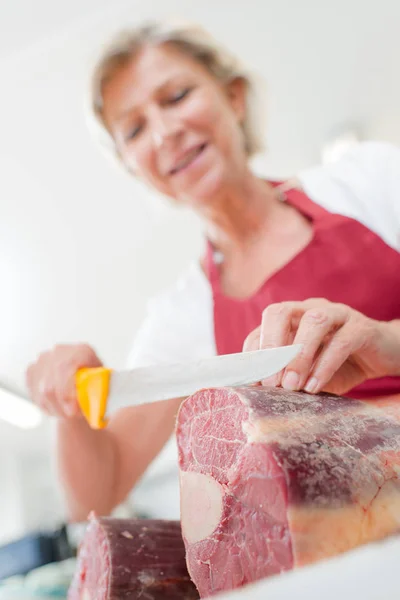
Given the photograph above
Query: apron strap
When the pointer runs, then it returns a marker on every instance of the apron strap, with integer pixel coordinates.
(298, 198)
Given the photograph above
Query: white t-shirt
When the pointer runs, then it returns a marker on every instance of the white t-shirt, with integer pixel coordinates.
(363, 185)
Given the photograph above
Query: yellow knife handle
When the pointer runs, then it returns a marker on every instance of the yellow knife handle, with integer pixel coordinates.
(92, 386)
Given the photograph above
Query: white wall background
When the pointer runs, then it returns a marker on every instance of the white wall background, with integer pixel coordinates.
(82, 246)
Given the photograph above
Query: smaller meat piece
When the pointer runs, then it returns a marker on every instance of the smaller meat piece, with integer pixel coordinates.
(128, 559)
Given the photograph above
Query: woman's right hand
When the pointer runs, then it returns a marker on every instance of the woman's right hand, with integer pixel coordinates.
(51, 379)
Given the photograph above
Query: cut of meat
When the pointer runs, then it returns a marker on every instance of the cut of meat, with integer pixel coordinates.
(126, 559)
(272, 480)
(369, 572)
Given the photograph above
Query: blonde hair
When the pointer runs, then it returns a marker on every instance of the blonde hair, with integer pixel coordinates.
(193, 41)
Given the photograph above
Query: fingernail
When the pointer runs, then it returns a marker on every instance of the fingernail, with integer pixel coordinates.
(291, 381)
(311, 385)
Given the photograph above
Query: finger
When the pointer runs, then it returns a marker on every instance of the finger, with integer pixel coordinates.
(46, 398)
(342, 345)
(276, 330)
(66, 370)
(314, 327)
(252, 342)
(71, 406)
(276, 323)
(65, 390)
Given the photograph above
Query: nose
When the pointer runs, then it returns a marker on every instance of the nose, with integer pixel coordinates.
(164, 128)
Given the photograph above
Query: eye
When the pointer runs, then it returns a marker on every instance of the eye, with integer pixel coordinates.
(132, 133)
(180, 95)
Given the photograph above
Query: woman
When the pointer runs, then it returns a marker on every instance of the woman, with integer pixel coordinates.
(314, 260)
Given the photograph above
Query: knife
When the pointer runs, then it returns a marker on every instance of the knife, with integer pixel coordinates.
(102, 391)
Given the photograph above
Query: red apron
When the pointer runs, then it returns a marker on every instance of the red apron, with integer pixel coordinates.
(344, 262)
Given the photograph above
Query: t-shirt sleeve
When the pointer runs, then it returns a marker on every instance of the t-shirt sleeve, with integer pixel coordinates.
(390, 175)
(364, 184)
(178, 326)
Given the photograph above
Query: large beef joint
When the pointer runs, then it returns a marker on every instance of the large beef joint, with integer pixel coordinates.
(126, 559)
(272, 480)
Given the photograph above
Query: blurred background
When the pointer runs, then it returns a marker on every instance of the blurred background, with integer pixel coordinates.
(82, 245)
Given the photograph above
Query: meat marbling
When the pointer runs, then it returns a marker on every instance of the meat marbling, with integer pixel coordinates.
(272, 480)
(127, 559)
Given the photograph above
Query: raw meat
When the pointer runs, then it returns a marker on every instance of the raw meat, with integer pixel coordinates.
(369, 572)
(126, 559)
(272, 480)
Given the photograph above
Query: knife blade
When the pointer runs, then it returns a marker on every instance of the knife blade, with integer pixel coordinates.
(103, 391)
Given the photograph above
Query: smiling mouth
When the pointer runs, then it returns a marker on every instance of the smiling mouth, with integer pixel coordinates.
(188, 159)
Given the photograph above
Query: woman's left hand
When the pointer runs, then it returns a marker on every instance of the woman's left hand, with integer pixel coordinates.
(341, 347)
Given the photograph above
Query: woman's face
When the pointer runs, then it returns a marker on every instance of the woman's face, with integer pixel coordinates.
(175, 126)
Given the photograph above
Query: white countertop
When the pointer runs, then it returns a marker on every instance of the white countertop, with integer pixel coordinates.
(368, 573)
